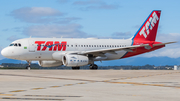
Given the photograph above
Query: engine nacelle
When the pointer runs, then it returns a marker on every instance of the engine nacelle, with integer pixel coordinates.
(75, 60)
(49, 63)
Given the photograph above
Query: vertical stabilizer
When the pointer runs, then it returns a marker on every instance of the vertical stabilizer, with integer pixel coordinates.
(148, 30)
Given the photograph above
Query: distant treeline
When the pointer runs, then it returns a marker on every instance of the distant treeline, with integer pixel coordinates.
(123, 67)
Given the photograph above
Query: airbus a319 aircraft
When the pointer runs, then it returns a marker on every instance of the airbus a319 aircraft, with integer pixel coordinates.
(50, 52)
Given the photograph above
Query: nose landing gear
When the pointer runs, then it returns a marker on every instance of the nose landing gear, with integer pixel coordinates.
(29, 65)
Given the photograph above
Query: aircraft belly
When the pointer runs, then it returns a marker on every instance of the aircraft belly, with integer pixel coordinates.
(119, 54)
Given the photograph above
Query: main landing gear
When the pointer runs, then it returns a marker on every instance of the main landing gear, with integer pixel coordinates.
(29, 65)
(93, 67)
(75, 68)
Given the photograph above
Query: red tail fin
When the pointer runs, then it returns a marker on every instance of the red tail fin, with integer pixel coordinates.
(148, 31)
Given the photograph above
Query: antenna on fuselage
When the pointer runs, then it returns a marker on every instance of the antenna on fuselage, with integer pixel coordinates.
(30, 37)
(61, 36)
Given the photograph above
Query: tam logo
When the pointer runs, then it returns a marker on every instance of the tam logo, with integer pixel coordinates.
(149, 25)
(53, 46)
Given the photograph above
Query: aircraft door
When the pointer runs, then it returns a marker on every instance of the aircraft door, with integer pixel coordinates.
(31, 46)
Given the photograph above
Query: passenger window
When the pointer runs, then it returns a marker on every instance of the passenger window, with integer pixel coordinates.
(89, 45)
(81, 45)
(94, 45)
(71, 45)
(102, 46)
(15, 44)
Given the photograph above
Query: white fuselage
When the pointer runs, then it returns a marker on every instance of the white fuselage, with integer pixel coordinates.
(29, 49)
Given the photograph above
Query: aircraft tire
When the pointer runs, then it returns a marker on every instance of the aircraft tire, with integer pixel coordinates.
(93, 67)
(75, 68)
(28, 67)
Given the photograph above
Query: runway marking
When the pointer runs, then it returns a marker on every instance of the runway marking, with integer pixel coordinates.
(50, 96)
(18, 91)
(48, 77)
(16, 98)
(37, 88)
(142, 76)
(7, 94)
(54, 86)
(177, 87)
(82, 83)
(91, 81)
(105, 80)
(135, 83)
(68, 84)
(129, 78)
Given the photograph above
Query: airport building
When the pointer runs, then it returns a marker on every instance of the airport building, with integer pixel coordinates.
(176, 67)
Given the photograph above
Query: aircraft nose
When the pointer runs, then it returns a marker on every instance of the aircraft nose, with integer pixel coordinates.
(4, 52)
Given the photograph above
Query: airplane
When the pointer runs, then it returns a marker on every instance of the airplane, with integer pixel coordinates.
(76, 52)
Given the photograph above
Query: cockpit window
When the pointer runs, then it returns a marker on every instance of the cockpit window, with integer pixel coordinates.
(11, 44)
(15, 44)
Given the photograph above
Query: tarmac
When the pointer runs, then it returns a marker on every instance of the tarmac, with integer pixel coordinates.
(89, 85)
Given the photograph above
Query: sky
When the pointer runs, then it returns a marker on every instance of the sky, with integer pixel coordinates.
(89, 18)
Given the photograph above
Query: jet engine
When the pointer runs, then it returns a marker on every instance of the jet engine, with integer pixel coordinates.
(75, 60)
(49, 63)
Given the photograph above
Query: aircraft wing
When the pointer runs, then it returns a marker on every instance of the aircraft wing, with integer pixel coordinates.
(101, 52)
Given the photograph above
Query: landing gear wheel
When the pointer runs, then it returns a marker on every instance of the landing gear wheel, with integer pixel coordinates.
(28, 67)
(75, 68)
(93, 67)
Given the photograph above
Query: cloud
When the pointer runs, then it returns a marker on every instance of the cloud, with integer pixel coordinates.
(5, 29)
(95, 4)
(12, 38)
(63, 1)
(36, 14)
(67, 20)
(120, 35)
(88, 2)
(168, 37)
(70, 30)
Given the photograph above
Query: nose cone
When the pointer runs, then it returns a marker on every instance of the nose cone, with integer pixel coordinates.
(4, 52)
